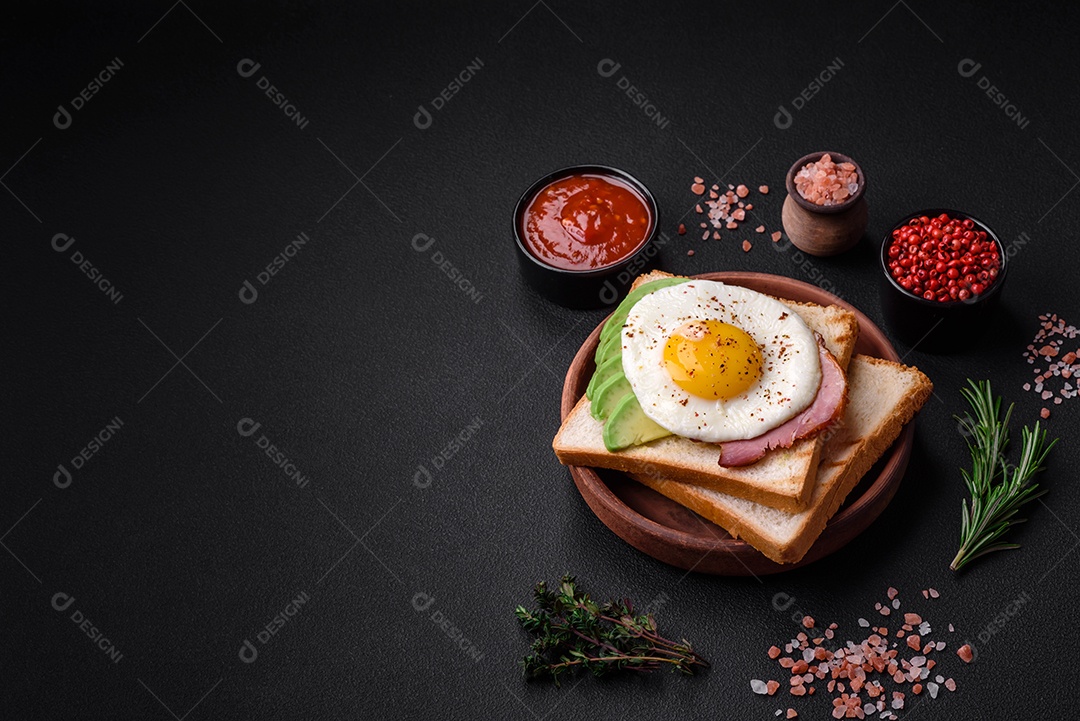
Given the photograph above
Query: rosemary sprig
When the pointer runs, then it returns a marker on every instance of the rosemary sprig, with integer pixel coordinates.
(998, 489)
(574, 632)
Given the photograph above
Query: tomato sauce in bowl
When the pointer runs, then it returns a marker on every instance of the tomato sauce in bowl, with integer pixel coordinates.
(586, 222)
(584, 232)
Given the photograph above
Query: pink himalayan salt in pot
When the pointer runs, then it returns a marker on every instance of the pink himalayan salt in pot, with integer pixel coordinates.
(827, 183)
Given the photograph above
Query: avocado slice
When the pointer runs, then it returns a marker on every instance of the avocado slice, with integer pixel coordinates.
(609, 391)
(618, 318)
(608, 395)
(629, 426)
(604, 371)
(608, 349)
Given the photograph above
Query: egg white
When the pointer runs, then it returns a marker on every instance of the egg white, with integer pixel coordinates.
(791, 368)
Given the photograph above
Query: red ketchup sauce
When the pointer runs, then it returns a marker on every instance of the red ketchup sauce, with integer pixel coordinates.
(586, 222)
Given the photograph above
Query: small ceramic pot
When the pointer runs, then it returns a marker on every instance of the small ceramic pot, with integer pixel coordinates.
(824, 230)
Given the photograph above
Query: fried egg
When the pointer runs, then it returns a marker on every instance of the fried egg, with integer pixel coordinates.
(717, 362)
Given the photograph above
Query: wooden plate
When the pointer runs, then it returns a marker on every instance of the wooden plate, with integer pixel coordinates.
(669, 532)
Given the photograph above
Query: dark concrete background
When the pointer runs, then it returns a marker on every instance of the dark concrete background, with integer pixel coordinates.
(179, 180)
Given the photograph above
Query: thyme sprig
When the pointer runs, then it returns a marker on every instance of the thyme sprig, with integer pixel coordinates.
(573, 632)
(998, 489)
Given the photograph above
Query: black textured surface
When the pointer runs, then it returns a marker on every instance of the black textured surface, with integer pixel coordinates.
(362, 360)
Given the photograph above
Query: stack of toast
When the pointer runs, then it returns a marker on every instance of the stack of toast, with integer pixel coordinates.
(781, 503)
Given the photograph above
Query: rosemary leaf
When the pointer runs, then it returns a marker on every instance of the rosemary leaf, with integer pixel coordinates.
(998, 489)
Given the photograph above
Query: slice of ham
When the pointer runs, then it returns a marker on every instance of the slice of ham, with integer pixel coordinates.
(828, 405)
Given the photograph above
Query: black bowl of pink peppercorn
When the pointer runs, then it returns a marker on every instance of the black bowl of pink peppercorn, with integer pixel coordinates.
(942, 271)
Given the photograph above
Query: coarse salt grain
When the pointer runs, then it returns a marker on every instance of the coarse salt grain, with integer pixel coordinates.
(725, 209)
(1047, 345)
(847, 668)
(824, 182)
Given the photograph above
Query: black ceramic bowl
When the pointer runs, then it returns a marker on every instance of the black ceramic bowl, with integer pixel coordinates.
(929, 324)
(595, 287)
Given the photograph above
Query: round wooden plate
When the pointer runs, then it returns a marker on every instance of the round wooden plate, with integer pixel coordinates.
(669, 532)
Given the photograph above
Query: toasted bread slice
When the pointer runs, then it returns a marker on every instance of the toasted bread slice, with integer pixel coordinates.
(882, 397)
(782, 479)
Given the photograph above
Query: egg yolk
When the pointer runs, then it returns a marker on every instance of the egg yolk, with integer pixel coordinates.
(712, 359)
